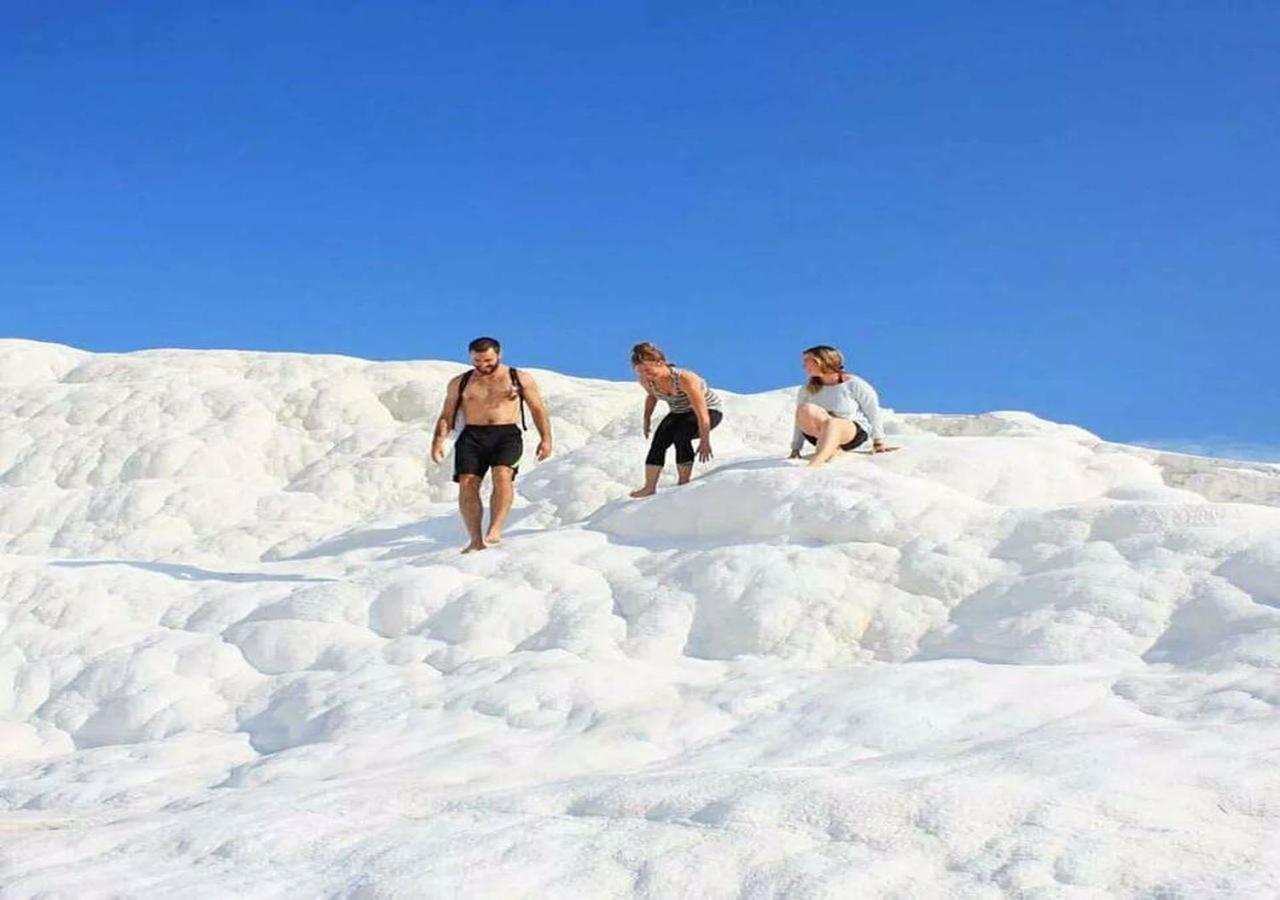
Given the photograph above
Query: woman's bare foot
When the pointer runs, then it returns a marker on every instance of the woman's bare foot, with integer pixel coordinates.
(643, 492)
(493, 538)
(473, 547)
(815, 462)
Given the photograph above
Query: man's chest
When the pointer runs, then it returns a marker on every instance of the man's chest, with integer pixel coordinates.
(489, 393)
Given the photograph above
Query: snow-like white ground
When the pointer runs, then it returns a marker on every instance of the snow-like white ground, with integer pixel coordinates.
(240, 655)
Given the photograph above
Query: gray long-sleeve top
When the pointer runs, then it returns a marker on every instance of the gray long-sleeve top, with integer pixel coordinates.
(852, 399)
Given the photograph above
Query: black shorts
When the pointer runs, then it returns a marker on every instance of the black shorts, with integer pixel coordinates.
(858, 439)
(480, 447)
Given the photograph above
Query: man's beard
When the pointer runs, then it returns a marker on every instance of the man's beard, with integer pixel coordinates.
(487, 370)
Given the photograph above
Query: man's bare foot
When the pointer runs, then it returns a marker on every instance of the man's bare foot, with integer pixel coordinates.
(473, 547)
(678, 483)
(643, 492)
(492, 538)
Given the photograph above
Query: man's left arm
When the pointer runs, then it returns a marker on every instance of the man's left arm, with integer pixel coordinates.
(541, 421)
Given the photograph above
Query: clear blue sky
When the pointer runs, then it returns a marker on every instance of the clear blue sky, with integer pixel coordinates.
(1069, 208)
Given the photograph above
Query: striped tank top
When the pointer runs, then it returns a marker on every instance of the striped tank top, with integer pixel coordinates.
(679, 401)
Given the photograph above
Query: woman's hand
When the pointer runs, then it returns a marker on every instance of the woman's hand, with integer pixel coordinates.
(795, 454)
(879, 446)
(704, 449)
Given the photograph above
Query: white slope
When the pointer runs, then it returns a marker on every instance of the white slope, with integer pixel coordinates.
(240, 654)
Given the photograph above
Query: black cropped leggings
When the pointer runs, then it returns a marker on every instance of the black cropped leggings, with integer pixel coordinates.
(678, 430)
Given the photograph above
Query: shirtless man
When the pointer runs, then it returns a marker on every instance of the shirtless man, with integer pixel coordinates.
(491, 403)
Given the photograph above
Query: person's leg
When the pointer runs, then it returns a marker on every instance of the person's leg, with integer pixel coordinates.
(651, 476)
(468, 471)
(504, 491)
(685, 469)
(683, 433)
(812, 419)
(837, 431)
(657, 457)
(472, 509)
(506, 451)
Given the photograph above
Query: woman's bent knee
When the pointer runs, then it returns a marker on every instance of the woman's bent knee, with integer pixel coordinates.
(811, 412)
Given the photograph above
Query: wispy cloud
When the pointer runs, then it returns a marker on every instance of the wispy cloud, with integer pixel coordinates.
(1221, 447)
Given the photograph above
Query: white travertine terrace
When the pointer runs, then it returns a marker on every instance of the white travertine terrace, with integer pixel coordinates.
(240, 654)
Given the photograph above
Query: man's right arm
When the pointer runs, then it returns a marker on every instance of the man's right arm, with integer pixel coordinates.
(444, 424)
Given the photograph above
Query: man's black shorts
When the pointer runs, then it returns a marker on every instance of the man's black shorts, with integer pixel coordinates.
(481, 446)
(859, 438)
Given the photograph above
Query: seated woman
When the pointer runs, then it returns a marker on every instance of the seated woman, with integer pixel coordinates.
(835, 409)
(695, 409)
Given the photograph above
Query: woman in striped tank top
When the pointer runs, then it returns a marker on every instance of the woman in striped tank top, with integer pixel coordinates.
(695, 409)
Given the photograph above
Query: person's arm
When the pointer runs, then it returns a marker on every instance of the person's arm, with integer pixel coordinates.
(797, 436)
(692, 385)
(541, 421)
(650, 404)
(868, 401)
(444, 424)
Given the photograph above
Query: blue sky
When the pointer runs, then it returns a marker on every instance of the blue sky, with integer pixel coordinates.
(1065, 208)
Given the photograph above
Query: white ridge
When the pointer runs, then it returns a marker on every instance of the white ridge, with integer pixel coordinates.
(241, 656)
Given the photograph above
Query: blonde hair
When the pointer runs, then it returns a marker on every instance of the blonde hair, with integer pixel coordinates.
(829, 359)
(646, 352)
